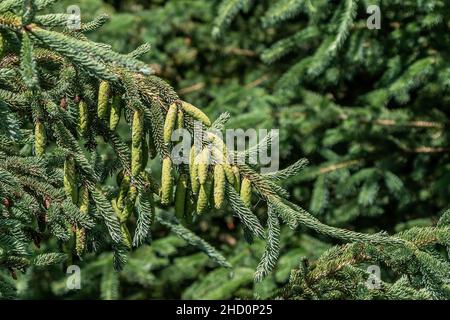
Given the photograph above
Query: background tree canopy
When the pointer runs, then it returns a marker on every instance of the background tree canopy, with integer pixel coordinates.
(367, 108)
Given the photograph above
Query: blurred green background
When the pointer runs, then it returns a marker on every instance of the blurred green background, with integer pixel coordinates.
(369, 166)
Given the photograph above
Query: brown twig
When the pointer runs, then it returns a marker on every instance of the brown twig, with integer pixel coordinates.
(418, 123)
(257, 82)
(425, 149)
(195, 87)
(340, 165)
(393, 123)
(240, 52)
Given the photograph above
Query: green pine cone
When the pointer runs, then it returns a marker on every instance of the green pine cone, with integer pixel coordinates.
(219, 186)
(114, 116)
(229, 173)
(196, 113)
(246, 192)
(83, 200)
(180, 119)
(2, 45)
(169, 124)
(136, 143)
(80, 241)
(202, 201)
(103, 97)
(83, 204)
(203, 165)
(166, 181)
(145, 153)
(220, 156)
(83, 118)
(180, 195)
(193, 171)
(70, 179)
(123, 192)
(126, 237)
(130, 204)
(40, 138)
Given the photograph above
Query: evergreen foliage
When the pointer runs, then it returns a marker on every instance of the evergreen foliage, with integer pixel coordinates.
(83, 125)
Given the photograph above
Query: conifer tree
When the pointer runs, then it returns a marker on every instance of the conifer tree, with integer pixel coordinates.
(64, 95)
